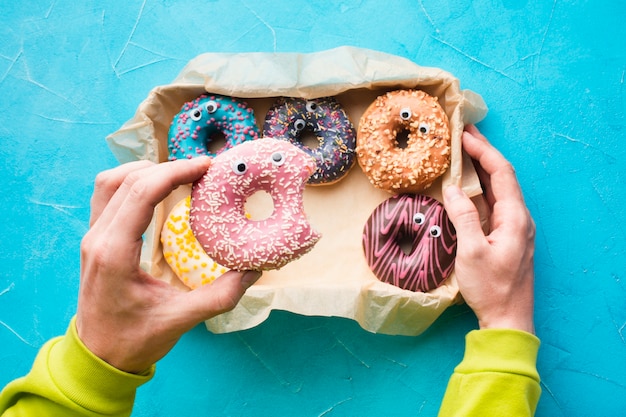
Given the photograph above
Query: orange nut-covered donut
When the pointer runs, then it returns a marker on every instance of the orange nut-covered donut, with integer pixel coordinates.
(387, 163)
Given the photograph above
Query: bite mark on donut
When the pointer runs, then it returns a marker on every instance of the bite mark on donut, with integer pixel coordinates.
(217, 215)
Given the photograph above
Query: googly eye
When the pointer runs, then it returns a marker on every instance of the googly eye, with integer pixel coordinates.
(419, 218)
(239, 166)
(211, 106)
(311, 106)
(299, 124)
(405, 113)
(435, 231)
(195, 114)
(424, 128)
(278, 158)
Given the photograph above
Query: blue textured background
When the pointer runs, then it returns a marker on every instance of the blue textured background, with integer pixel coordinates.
(553, 76)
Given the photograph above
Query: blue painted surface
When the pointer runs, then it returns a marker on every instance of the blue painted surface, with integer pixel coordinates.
(553, 76)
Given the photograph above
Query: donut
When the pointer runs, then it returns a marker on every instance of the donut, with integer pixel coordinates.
(218, 198)
(403, 114)
(202, 119)
(289, 119)
(410, 242)
(182, 251)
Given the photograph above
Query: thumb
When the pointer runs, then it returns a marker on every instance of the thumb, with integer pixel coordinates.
(220, 296)
(462, 213)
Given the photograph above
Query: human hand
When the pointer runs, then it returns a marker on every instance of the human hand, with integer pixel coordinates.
(494, 270)
(126, 317)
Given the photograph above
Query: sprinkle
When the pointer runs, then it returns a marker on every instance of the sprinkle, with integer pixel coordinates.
(236, 241)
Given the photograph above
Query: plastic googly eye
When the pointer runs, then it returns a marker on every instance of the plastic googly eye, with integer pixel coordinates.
(278, 158)
(419, 218)
(195, 114)
(405, 113)
(424, 128)
(239, 166)
(299, 124)
(311, 106)
(211, 106)
(435, 231)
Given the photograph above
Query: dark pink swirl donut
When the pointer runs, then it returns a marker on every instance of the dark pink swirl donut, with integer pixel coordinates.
(410, 242)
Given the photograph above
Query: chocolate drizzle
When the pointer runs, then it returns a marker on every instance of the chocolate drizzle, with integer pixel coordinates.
(423, 222)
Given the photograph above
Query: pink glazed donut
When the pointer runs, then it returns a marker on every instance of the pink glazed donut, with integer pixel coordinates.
(217, 216)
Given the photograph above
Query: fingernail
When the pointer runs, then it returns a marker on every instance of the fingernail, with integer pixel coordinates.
(203, 160)
(249, 278)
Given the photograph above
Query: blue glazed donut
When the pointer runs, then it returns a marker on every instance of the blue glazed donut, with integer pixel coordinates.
(290, 117)
(192, 128)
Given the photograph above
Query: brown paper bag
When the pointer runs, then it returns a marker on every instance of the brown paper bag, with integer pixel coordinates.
(333, 279)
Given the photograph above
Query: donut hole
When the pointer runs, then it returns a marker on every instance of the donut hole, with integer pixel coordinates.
(402, 139)
(405, 243)
(216, 142)
(309, 139)
(259, 206)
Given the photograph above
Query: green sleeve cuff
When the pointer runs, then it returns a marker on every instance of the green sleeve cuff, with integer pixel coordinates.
(497, 376)
(500, 350)
(68, 380)
(89, 381)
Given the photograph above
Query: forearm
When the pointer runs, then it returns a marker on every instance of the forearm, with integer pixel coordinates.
(67, 379)
(497, 377)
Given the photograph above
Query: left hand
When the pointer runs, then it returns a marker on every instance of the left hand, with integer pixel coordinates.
(125, 316)
(495, 271)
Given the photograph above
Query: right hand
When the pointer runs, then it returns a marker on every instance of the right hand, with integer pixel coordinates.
(125, 316)
(494, 270)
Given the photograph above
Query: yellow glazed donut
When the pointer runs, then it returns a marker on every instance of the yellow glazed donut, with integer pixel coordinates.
(182, 251)
(388, 164)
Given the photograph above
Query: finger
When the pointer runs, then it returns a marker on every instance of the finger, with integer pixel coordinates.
(108, 182)
(484, 177)
(496, 173)
(464, 216)
(502, 190)
(132, 207)
(219, 297)
(485, 183)
(473, 130)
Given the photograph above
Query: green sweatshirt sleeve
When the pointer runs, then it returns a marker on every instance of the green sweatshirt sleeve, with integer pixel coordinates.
(497, 376)
(68, 380)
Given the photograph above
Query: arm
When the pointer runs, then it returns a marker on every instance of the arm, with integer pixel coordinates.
(68, 380)
(495, 275)
(497, 376)
(126, 320)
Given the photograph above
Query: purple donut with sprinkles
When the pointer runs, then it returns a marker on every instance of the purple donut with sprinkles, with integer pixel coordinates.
(410, 242)
(290, 118)
(201, 120)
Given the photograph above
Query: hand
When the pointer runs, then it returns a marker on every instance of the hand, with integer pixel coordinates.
(126, 317)
(494, 270)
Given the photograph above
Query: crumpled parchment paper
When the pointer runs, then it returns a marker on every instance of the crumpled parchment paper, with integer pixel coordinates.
(333, 279)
